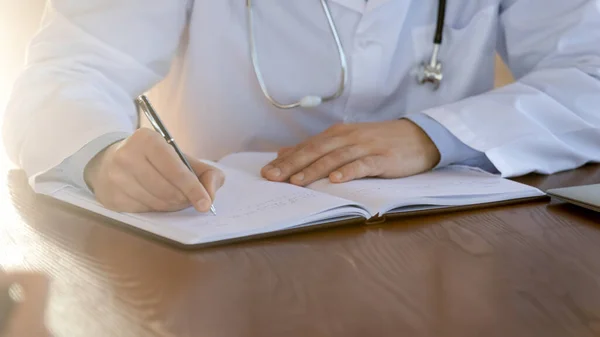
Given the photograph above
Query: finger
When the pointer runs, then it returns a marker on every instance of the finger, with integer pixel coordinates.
(284, 151)
(132, 188)
(164, 158)
(298, 159)
(334, 130)
(211, 177)
(156, 185)
(212, 180)
(328, 163)
(364, 167)
(120, 202)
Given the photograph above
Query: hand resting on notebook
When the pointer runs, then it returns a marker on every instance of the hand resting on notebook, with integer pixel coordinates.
(143, 173)
(391, 149)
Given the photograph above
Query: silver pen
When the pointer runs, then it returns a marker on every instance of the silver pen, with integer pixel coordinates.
(144, 104)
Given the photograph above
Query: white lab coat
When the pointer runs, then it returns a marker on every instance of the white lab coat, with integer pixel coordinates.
(91, 58)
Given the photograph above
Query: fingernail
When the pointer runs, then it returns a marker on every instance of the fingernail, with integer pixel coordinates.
(337, 176)
(268, 168)
(203, 205)
(274, 172)
(298, 177)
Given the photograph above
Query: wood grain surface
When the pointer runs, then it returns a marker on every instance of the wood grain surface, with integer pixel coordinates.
(527, 270)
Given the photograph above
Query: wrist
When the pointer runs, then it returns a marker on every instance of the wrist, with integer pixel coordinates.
(94, 166)
(431, 155)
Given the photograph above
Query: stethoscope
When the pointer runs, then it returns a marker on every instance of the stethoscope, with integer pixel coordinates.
(428, 72)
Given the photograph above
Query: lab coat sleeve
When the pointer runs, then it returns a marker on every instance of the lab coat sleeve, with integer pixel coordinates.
(549, 119)
(85, 66)
(452, 150)
(72, 169)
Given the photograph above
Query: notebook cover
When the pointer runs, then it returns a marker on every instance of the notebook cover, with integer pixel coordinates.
(586, 196)
(452, 209)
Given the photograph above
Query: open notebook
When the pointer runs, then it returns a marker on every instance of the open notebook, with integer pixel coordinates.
(249, 206)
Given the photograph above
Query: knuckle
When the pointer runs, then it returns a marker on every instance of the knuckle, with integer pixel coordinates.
(172, 195)
(316, 169)
(213, 173)
(174, 207)
(372, 166)
(193, 192)
(144, 134)
(336, 128)
(288, 164)
(118, 202)
(180, 199)
(345, 154)
(152, 146)
(283, 150)
(113, 175)
(180, 176)
(361, 137)
(216, 176)
(354, 170)
(222, 179)
(389, 153)
(368, 162)
(376, 139)
(176, 197)
(313, 147)
(160, 205)
(122, 157)
(338, 139)
(138, 137)
(105, 200)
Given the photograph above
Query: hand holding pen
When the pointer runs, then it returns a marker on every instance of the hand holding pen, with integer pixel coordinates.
(148, 173)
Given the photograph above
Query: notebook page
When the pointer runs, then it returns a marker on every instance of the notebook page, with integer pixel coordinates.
(450, 186)
(454, 185)
(248, 162)
(245, 206)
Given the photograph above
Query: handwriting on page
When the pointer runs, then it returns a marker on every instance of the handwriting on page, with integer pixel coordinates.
(236, 214)
(247, 204)
(268, 205)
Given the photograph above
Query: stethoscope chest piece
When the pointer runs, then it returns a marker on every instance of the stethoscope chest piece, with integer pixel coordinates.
(431, 72)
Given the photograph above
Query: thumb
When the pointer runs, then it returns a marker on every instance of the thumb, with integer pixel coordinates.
(210, 177)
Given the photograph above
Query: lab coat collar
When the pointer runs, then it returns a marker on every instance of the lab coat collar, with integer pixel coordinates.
(373, 4)
(356, 5)
(362, 6)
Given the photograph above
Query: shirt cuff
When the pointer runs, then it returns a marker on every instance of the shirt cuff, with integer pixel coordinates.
(72, 169)
(452, 150)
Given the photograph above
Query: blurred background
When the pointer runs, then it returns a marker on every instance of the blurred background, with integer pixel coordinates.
(19, 20)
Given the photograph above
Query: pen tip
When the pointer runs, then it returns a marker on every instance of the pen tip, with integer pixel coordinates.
(213, 210)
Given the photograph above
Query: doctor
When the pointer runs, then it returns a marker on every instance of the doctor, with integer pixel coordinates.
(221, 73)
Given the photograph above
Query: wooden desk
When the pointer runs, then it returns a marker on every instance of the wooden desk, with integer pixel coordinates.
(526, 270)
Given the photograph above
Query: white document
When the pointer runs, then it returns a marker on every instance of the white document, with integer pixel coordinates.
(249, 205)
